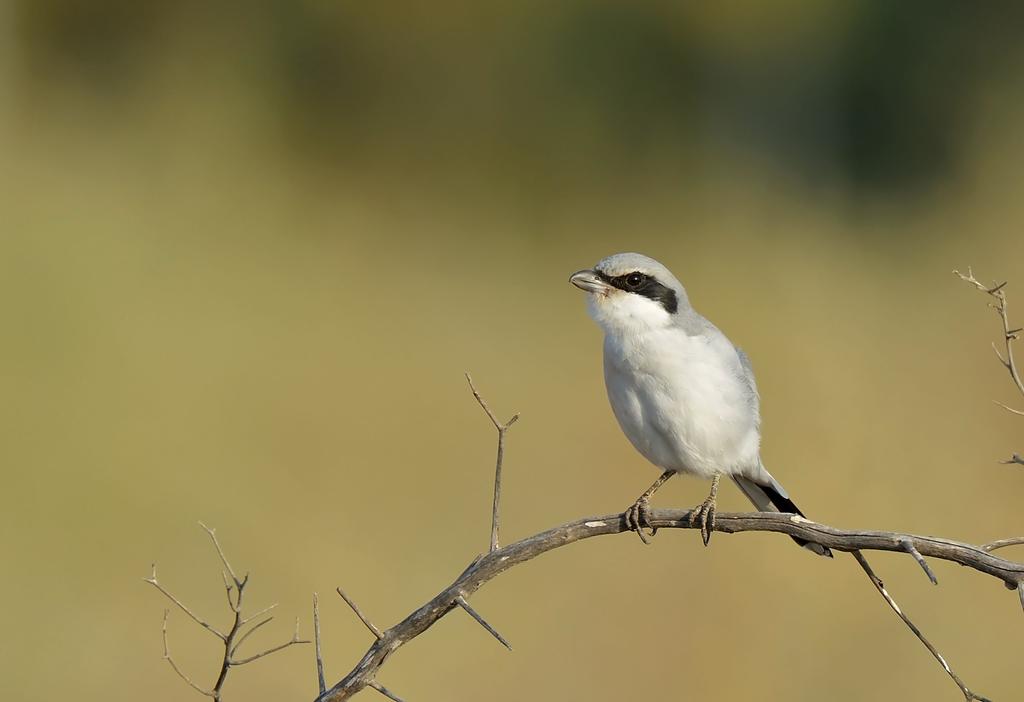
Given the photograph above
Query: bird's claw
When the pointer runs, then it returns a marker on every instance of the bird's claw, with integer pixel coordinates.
(638, 518)
(704, 514)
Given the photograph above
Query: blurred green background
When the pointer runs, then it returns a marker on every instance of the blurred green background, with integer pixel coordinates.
(249, 249)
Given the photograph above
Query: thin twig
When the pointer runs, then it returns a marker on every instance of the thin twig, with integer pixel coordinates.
(502, 430)
(228, 587)
(461, 601)
(1009, 409)
(247, 634)
(223, 558)
(316, 644)
(909, 548)
(1010, 335)
(492, 564)
(259, 614)
(998, 293)
(181, 605)
(1003, 543)
(179, 671)
(968, 695)
(362, 617)
(274, 649)
(384, 691)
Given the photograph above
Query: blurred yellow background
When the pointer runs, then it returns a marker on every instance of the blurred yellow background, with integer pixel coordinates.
(248, 252)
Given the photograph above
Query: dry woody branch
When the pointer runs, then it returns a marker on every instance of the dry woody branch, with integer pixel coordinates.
(240, 627)
(498, 559)
(997, 291)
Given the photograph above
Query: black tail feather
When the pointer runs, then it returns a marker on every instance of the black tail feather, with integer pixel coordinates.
(786, 505)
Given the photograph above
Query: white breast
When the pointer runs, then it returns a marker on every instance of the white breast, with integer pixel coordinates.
(683, 401)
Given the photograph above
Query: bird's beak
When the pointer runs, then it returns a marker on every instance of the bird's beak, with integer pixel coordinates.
(589, 281)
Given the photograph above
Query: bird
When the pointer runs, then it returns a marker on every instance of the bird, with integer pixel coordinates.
(682, 392)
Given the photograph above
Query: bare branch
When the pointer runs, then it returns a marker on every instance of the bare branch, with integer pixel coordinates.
(181, 674)
(968, 695)
(461, 601)
(236, 636)
(181, 605)
(909, 548)
(998, 293)
(492, 564)
(502, 430)
(384, 691)
(362, 617)
(316, 644)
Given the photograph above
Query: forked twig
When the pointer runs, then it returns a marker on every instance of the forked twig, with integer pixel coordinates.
(502, 430)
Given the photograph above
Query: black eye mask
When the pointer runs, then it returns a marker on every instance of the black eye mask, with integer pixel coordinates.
(645, 285)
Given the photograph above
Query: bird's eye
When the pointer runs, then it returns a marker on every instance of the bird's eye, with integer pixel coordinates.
(634, 280)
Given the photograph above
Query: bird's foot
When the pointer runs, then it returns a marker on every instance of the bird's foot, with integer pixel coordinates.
(704, 514)
(638, 518)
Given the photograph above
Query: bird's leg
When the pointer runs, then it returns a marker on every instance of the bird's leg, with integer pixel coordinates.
(704, 513)
(638, 515)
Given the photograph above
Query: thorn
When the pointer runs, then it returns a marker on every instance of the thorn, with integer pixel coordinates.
(461, 601)
(993, 290)
(908, 546)
(362, 617)
(384, 691)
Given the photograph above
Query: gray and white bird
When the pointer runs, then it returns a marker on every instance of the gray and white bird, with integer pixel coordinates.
(683, 394)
